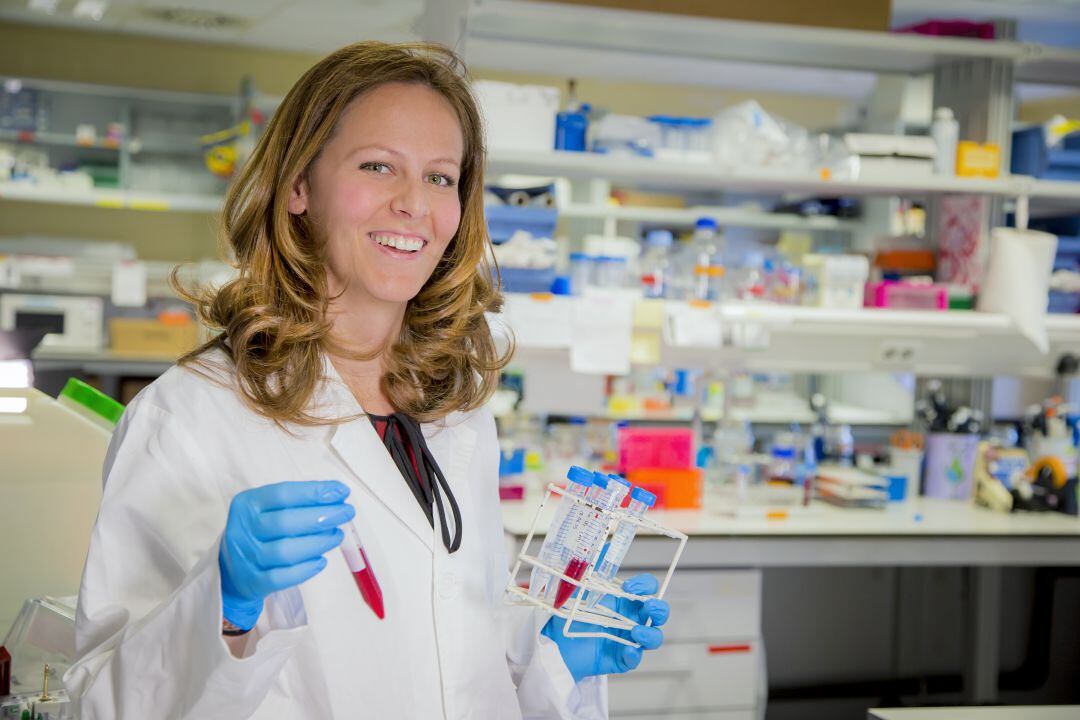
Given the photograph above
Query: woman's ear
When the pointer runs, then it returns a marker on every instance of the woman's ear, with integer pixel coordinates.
(298, 196)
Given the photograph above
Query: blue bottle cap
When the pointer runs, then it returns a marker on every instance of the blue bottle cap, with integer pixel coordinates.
(579, 475)
(643, 496)
(577, 420)
(705, 223)
(575, 256)
(560, 285)
(619, 479)
(600, 480)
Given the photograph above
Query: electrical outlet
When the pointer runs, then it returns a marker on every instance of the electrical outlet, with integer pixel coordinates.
(898, 352)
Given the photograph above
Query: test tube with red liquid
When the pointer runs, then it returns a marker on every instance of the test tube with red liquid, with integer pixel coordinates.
(357, 560)
(592, 533)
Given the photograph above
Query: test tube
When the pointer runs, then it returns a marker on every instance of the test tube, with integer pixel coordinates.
(360, 567)
(593, 530)
(569, 515)
(640, 501)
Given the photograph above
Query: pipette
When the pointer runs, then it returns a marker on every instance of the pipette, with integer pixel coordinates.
(357, 560)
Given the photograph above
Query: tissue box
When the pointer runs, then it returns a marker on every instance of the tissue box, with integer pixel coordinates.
(518, 117)
(835, 281)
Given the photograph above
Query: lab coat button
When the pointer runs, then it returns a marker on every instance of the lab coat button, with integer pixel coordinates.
(449, 585)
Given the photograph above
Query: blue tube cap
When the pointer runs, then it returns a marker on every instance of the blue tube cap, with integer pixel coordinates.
(579, 475)
(706, 223)
(643, 496)
(600, 480)
(620, 479)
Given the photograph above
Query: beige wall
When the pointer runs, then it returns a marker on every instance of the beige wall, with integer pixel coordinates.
(1039, 111)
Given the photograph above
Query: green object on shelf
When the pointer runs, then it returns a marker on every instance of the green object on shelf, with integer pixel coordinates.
(961, 302)
(104, 175)
(93, 399)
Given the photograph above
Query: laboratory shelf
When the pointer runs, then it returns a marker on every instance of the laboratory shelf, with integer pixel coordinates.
(778, 338)
(688, 176)
(1053, 197)
(1049, 65)
(101, 362)
(112, 199)
(724, 216)
(560, 28)
(55, 139)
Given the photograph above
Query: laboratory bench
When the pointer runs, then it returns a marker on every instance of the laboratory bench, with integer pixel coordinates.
(715, 661)
(1026, 712)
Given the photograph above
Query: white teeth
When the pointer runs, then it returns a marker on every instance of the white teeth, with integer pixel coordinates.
(399, 242)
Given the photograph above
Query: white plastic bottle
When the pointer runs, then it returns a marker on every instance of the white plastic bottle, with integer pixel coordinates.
(564, 530)
(946, 132)
(640, 501)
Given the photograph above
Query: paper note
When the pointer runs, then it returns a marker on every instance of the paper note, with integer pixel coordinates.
(538, 321)
(645, 347)
(694, 325)
(129, 284)
(649, 314)
(600, 333)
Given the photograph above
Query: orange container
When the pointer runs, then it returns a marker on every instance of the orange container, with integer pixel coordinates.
(675, 488)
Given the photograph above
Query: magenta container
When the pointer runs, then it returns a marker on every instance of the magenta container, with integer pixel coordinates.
(903, 295)
(652, 447)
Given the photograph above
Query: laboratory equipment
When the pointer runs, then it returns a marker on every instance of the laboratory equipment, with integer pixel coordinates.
(53, 451)
(572, 123)
(602, 621)
(566, 524)
(42, 635)
(907, 295)
(72, 322)
(581, 272)
(640, 501)
(517, 117)
(835, 281)
(654, 263)
(360, 567)
(589, 537)
(946, 132)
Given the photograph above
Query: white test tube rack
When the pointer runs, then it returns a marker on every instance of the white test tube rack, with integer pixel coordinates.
(578, 611)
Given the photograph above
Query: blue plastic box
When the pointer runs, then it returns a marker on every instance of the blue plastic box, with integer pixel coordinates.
(1030, 156)
(504, 220)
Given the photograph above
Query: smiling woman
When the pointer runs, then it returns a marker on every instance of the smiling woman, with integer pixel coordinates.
(366, 190)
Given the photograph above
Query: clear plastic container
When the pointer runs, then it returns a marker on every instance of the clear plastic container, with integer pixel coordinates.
(611, 272)
(655, 263)
(564, 528)
(640, 501)
(604, 493)
(581, 272)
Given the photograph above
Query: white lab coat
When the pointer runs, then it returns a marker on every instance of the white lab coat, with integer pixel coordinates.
(148, 629)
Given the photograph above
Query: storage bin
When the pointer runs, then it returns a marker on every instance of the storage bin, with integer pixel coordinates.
(504, 220)
(526, 280)
(1030, 156)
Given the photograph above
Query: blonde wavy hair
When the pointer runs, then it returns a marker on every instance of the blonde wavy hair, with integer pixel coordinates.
(272, 318)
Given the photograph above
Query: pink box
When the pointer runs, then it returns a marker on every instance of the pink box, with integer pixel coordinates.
(653, 447)
(903, 295)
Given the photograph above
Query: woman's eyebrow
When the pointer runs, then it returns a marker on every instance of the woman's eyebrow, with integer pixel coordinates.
(398, 153)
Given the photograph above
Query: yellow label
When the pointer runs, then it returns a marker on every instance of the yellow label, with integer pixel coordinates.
(155, 205)
(111, 203)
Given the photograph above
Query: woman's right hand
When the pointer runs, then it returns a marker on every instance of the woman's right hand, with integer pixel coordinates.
(275, 538)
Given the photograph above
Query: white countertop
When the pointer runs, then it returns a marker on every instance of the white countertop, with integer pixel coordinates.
(921, 517)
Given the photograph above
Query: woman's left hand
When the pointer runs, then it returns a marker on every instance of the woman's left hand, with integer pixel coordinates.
(602, 656)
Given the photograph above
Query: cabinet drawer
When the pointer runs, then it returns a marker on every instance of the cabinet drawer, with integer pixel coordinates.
(690, 677)
(707, 605)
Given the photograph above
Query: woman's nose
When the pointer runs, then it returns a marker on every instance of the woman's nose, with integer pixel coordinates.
(410, 199)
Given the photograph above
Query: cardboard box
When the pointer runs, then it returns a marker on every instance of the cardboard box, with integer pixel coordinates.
(152, 337)
(849, 14)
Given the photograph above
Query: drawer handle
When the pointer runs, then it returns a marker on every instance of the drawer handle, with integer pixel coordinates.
(727, 649)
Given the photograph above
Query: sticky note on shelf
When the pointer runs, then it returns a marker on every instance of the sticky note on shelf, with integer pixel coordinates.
(695, 325)
(649, 314)
(538, 321)
(129, 284)
(645, 347)
(600, 335)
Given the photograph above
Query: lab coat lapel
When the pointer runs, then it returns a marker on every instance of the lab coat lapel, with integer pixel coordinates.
(358, 445)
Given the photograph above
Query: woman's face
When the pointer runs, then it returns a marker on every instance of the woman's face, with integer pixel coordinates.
(383, 193)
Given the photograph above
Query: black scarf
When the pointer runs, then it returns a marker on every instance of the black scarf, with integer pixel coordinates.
(402, 429)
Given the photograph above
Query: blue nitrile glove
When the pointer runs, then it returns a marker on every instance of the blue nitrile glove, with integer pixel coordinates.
(275, 538)
(601, 656)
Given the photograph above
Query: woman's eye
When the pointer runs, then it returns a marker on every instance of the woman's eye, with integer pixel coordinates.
(441, 180)
(377, 167)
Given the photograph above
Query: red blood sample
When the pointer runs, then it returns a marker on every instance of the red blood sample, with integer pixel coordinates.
(369, 586)
(575, 569)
